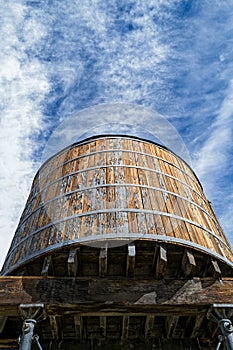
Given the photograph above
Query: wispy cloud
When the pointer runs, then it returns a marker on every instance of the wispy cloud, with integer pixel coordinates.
(58, 57)
(23, 85)
(200, 75)
(112, 50)
(215, 155)
(214, 160)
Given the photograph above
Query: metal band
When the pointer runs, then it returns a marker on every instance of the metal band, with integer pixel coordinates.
(118, 210)
(119, 185)
(120, 150)
(117, 166)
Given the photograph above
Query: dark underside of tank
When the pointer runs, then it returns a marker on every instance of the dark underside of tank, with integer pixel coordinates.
(150, 259)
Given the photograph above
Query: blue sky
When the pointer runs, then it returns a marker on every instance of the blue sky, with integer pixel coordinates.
(58, 57)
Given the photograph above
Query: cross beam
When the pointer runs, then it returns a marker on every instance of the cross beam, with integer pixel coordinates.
(91, 295)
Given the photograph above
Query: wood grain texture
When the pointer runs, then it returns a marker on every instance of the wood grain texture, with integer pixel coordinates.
(114, 296)
(115, 186)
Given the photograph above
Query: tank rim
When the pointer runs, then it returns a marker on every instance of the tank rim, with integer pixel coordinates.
(146, 237)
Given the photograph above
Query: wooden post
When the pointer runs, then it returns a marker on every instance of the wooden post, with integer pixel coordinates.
(188, 263)
(47, 266)
(160, 261)
(78, 323)
(103, 325)
(149, 325)
(130, 265)
(125, 327)
(73, 262)
(103, 261)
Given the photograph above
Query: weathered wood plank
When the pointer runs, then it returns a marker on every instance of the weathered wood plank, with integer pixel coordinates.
(97, 310)
(157, 179)
(70, 291)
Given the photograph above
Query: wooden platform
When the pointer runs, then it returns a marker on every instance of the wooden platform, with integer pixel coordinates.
(95, 313)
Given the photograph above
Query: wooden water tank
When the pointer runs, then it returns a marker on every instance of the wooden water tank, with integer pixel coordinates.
(117, 189)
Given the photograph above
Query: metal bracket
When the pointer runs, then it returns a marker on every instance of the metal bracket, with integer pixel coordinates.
(32, 311)
(221, 314)
(220, 340)
(36, 340)
(31, 314)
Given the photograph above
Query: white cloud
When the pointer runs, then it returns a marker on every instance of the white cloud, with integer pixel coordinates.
(93, 57)
(215, 154)
(133, 66)
(213, 163)
(226, 217)
(23, 84)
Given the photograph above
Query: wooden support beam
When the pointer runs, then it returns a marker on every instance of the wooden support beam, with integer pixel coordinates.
(90, 295)
(3, 320)
(148, 325)
(160, 261)
(131, 255)
(171, 324)
(9, 344)
(197, 325)
(54, 327)
(103, 325)
(214, 330)
(125, 327)
(103, 262)
(188, 263)
(212, 269)
(73, 262)
(78, 324)
(47, 266)
(215, 268)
